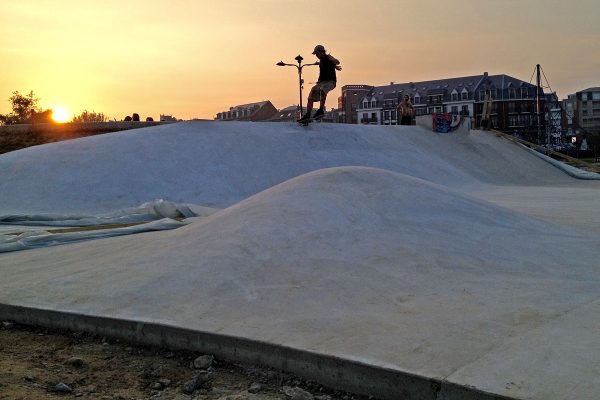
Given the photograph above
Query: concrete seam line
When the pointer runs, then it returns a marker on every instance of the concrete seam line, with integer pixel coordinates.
(338, 373)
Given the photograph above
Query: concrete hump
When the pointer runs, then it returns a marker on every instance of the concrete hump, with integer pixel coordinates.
(217, 165)
(357, 213)
(355, 263)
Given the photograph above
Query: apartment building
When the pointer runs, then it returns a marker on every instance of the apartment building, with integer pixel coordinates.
(514, 106)
(259, 111)
(348, 102)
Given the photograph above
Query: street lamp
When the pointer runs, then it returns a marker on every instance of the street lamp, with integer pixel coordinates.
(300, 80)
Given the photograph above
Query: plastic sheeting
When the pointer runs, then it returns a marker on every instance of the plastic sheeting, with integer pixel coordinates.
(35, 239)
(150, 211)
(27, 230)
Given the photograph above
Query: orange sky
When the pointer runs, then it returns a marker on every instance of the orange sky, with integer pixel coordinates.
(194, 58)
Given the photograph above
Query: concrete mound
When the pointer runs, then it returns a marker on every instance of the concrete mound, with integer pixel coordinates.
(283, 254)
(218, 164)
(354, 262)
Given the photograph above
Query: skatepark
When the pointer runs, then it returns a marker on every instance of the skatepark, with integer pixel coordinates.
(385, 260)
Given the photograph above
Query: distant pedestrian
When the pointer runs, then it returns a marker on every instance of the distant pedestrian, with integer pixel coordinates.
(326, 83)
(405, 111)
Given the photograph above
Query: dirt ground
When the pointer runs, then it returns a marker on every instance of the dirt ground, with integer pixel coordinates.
(36, 363)
(15, 141)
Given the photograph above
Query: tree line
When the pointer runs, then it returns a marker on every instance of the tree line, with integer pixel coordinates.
(25, 110)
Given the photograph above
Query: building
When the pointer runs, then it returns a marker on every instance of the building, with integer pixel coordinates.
(259, 111)
(570, 121)
(167, 118)
(288, 114)
(513, 102)
(348, 102)
(588, 110)
(581, 120)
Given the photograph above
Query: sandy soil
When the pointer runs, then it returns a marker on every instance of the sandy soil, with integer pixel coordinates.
(36, 363)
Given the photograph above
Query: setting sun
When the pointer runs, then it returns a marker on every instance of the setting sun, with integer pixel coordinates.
(60, 115)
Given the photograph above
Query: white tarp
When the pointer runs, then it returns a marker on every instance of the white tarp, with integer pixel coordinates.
(26, 231)
(35, 239)
(150, 211)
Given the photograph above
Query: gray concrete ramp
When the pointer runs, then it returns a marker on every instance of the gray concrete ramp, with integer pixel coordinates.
(374, 259)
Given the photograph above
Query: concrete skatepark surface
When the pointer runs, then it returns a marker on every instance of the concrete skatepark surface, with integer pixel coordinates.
(458, 258)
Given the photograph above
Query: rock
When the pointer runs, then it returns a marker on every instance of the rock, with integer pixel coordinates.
(255, 388)
(29, 378)
(323, 397)
(203, 362)
(296, 393)
(157, 386)
(156, 370)
(7, 325)
(75, 362)
(239, 396)
(165, 382)
(62, 388)
(196, 382)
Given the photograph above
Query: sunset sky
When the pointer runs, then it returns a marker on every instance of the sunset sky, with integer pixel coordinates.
(195, 58)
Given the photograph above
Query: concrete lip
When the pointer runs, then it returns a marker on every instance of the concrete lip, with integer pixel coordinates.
(427, 290)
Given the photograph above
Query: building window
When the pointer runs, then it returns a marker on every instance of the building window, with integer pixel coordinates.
(374, 116)
(524, 120)
(373, 103)
(596, 95)
(465, 110)
(511, 106)
(417, 100)
(454, 110)
(454, 96)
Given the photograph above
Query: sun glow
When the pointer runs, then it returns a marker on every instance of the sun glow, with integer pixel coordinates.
(60, 114)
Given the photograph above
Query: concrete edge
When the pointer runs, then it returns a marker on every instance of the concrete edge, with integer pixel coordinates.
(341, 374)
(569, 170)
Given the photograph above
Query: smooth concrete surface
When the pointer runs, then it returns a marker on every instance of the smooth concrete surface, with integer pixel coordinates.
(419, 266)
(336, 372)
